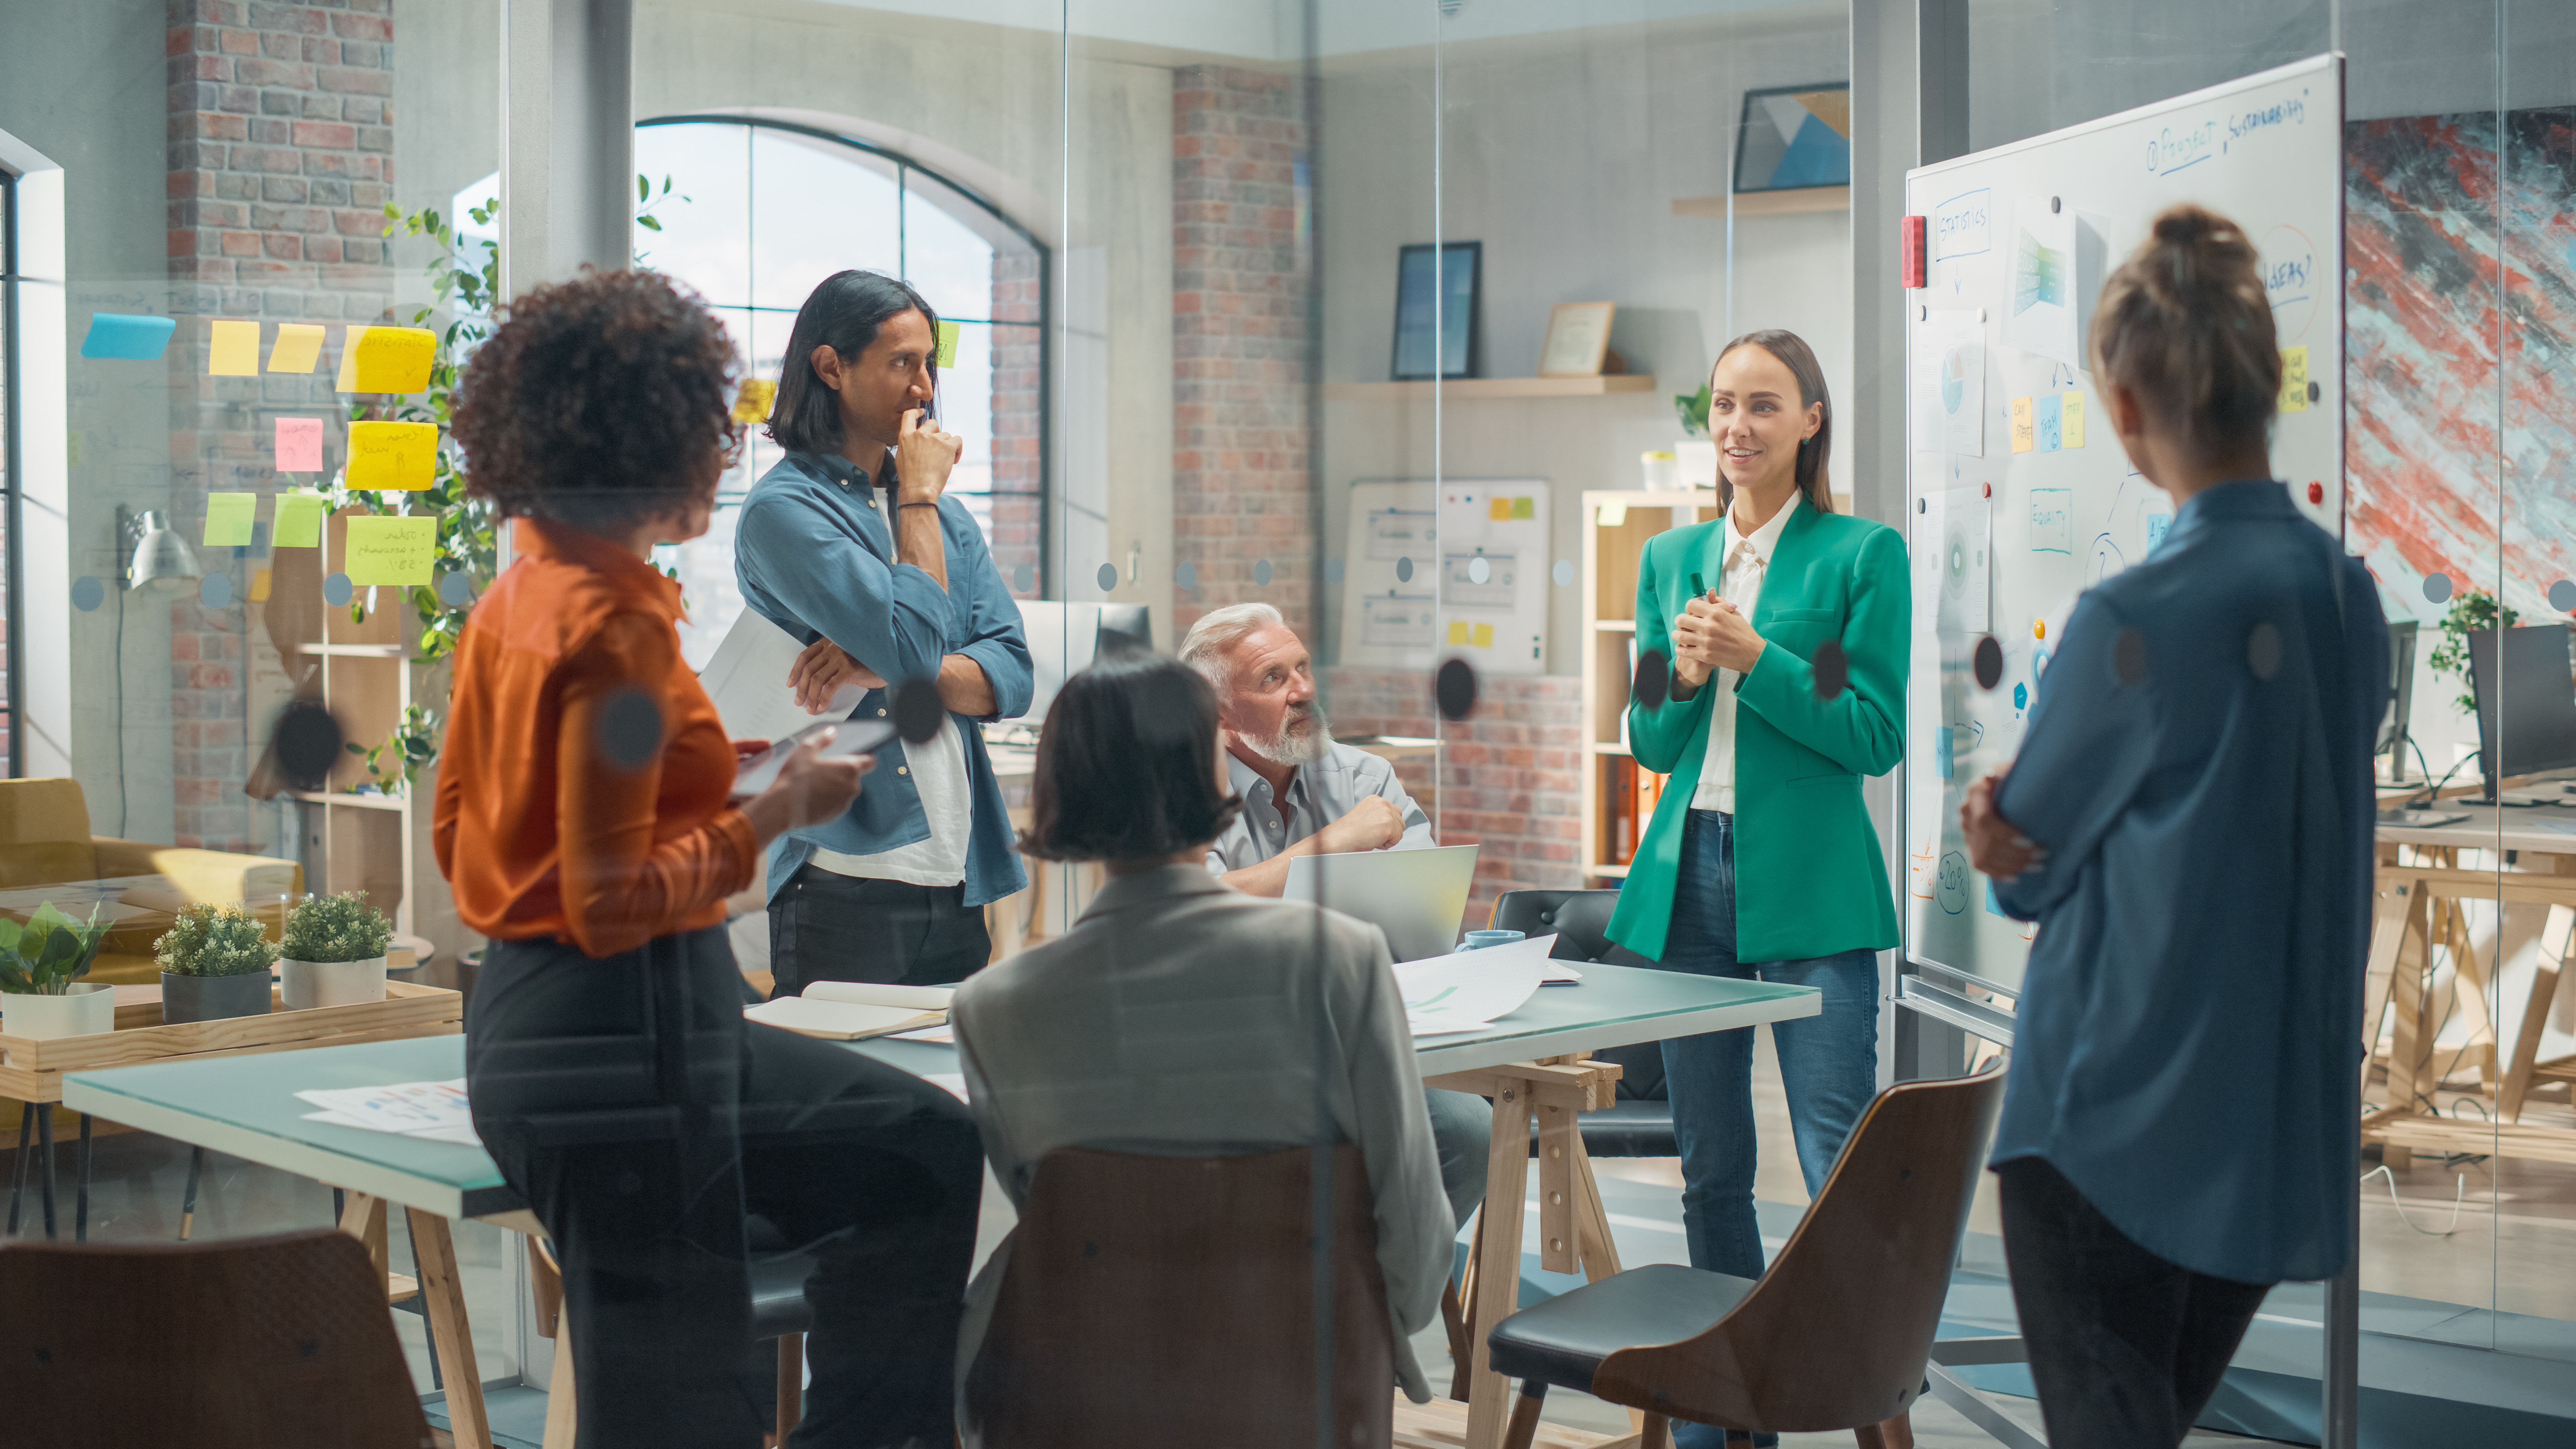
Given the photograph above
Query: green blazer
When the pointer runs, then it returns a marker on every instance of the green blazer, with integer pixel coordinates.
(1810, 879)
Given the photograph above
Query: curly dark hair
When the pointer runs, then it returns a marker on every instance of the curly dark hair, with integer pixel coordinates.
(598, 402)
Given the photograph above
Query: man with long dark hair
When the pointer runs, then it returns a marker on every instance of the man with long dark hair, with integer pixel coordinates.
(850, 544)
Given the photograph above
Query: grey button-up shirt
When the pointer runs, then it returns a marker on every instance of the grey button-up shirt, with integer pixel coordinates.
(1318, 795)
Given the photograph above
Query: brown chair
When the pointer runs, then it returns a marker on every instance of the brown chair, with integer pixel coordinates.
(1169, 1303)
(1834, 1336)
(253, 1343)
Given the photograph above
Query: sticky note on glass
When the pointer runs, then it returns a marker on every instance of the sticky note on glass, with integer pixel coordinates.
(1524, 508)
(236, 350)
(297, 348)
(392, 455)
(751, 405)
(948, 344)
(299, 521)
(2022, 437)
(1459, 632)
(1499, 510)
(229, 517)
(260, 581)
(394, 359)
(2294, 379)
(2046, 414)
(1484, 636)
(115, 334)
(299, 445)
(2070, 414)
(349, 339)
(390, 550)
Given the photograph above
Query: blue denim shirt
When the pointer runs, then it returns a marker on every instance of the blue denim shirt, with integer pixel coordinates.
(816, 560)
(2198, 765)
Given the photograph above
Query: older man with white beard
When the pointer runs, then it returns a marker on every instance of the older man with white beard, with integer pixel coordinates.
(1303, 794)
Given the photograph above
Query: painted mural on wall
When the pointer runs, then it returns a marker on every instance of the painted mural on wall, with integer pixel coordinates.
(2447, 453)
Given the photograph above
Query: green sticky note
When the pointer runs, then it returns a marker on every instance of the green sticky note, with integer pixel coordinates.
(948, 344)
(228, 519)
(299, 521)
(391, 550)
(1523, 508)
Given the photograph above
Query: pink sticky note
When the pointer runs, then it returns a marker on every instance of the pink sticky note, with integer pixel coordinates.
(299, 445)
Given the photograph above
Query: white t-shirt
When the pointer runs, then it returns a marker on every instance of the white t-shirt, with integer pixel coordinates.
(938, 771)
(1740, 584)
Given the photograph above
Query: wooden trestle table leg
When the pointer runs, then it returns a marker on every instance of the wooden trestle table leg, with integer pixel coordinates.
(443, 1294)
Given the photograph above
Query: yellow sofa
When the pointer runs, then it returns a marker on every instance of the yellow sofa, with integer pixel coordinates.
(45, 839)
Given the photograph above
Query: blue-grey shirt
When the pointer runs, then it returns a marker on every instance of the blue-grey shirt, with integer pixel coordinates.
(2197, 766)
(817, 560)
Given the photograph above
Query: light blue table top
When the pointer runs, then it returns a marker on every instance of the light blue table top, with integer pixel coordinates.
(246, 1106)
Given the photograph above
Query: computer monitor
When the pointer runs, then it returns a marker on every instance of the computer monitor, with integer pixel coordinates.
(1064, 640)
(2401, 697)
(1126, 626)
(2526, 695)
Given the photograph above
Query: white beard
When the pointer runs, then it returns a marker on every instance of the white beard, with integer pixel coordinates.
(1285, 748)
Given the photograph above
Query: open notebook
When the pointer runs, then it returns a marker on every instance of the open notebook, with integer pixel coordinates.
(849, 1010)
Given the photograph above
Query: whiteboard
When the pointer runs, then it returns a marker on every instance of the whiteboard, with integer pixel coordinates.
(1456, 570)
(2018, 497)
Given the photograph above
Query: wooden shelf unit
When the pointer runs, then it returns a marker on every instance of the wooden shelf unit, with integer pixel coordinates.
(1471, 388)
(1610, 556)
(1793, 202)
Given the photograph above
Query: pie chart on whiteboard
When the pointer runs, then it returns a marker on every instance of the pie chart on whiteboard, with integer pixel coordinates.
(1954, 379)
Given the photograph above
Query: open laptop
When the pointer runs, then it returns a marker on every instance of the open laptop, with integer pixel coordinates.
(1416, 896)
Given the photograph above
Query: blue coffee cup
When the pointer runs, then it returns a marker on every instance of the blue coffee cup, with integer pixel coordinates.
(1479, 940)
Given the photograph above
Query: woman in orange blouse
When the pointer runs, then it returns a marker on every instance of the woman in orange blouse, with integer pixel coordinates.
(583, 820)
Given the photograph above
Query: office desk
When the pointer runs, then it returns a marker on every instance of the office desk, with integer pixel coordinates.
(2420, 884)
(1527, 1062)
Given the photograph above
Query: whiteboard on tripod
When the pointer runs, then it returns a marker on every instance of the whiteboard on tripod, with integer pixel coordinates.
(2018, 496)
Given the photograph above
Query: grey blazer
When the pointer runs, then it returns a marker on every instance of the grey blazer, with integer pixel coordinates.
(1181, 1016)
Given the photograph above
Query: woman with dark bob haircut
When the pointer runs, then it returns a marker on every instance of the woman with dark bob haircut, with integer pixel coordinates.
(1294, 1029)
(584, 820)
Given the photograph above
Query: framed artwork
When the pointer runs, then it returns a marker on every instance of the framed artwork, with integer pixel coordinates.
(1438, 287)
(1578, 338)
(1794, 137)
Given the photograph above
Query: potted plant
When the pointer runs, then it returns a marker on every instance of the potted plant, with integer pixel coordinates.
(334, 952)
(41, 963)
(214, 965)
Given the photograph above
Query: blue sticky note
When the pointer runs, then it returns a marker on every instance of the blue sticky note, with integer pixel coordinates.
(1942, 750)
(114, 334)
(2049, 409)
(2021, 696)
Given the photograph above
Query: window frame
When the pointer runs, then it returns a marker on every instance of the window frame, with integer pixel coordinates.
(13, 610)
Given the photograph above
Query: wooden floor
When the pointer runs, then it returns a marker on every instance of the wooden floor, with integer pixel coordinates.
(1442, 1424)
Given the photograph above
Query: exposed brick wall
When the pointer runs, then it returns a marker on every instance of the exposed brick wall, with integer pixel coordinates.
(280, 162)
(1017, 466)
(1513, 768)
(1241, 274)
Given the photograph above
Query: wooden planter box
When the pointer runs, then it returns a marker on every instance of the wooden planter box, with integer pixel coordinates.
(32, 1070)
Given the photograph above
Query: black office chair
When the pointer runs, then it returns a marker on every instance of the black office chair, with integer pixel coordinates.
(1640, 1123)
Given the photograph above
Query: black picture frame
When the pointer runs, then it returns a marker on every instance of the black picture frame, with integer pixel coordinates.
(1761, 148)
(1420, 266)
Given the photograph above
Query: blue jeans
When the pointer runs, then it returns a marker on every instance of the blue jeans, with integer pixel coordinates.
(1828, 1062)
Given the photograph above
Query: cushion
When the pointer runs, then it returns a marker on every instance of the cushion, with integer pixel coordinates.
(1563, 1340)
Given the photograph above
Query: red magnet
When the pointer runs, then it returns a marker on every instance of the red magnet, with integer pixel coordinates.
(1910, 264)
(2316, 493)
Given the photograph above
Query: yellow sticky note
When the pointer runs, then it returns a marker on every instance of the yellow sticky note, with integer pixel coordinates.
(1524, 508)
(228, 519)
(1501, 510)
(298, 347)
(2021, 428)
(349, 339)
(391, 550)
(299, 521)
(751, 405)
(948, 344)
(1484, 636)
(391, 455)
(1458, 631)
(236, 352)
(2071, 419)
(259, 586)
(395, 359)
(2294, 379)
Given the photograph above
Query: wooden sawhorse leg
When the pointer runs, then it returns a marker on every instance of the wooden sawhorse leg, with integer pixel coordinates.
(442, 1293)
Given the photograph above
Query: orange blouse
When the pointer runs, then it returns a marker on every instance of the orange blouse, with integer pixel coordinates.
(582, 789)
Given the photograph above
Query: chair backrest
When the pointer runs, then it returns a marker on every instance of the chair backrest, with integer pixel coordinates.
(1836, 1334)
(44, 833)
(242, 1344)
(1170, 1301)
(1581, 921)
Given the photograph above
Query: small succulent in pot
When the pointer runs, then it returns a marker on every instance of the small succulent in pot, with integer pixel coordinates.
(214, 964)
(334, 952)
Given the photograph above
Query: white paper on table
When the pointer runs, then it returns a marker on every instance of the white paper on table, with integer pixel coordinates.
(747, 680)
(409, 1109)
(942, 1034)
(953, 1083)
(1557, 973)
(1472, 988)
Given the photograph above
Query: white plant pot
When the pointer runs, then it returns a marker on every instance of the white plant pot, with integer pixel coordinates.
(305, 984)
(87, 1009)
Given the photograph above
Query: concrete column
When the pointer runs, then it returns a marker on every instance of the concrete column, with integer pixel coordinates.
(567, 139)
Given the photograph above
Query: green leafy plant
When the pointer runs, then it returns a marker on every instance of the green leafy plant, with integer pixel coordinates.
(49, 951)
(1693, 408)
(2476, 609)
(402, 755)
(336, 928)
(212, 940)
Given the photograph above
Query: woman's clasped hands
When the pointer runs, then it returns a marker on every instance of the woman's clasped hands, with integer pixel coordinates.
(1711, 634)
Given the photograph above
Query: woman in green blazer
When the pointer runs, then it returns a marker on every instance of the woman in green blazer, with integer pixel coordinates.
(1785, 629)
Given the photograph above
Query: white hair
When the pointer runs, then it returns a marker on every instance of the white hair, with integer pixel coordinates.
(1216, 633)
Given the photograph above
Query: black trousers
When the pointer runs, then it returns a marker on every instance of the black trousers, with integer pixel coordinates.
(644, 1121)
(828, 927)
(2126, 1347)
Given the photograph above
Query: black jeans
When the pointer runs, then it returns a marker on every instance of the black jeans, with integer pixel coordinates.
(643, 1120)
(2126, 1348)
(828, 927)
